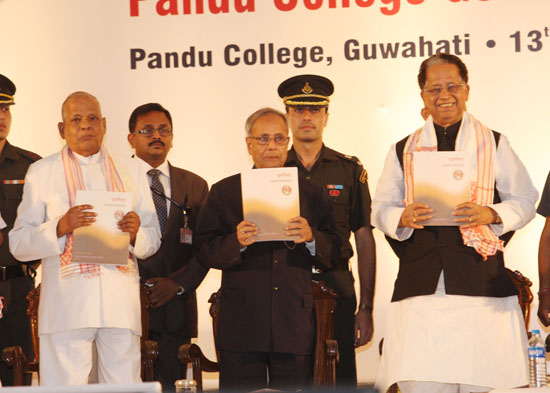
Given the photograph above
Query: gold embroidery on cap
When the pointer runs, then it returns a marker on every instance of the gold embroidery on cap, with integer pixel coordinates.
(307, 89)
(9, 101)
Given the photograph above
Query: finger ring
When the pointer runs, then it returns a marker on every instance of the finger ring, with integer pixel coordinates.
(414, 219)
(470, 218)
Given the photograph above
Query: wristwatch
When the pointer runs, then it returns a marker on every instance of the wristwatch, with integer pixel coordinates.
(496, 218)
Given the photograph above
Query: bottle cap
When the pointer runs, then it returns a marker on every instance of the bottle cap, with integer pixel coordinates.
(185, 383)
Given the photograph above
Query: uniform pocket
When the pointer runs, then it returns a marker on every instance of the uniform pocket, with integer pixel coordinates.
(12, 191)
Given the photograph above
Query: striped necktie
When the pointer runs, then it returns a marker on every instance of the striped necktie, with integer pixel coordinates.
(160, 202)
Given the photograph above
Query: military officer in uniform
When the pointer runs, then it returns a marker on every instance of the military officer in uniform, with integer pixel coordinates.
(306, 98)
(16, 279)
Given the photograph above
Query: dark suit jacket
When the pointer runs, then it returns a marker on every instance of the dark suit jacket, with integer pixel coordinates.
(175, 260)
(267, 301)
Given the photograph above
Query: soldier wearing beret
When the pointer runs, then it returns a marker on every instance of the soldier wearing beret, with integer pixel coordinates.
(306, 98)
(16, 279)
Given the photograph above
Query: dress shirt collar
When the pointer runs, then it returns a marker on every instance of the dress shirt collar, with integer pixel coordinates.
(164, 168)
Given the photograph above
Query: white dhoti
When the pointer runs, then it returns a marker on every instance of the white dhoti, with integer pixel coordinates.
(455, 339)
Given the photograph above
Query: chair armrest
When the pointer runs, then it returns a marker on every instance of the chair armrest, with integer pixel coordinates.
(191, 353)
(15, 357)
(149, 356)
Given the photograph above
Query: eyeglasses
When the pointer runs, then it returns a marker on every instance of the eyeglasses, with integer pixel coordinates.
(437, 90)
(149, 132)
(266, 140)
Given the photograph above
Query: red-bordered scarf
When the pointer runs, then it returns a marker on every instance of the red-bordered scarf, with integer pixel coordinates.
(75, 181)
(477, 139)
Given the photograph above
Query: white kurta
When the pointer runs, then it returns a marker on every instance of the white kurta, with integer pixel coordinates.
(452, 338)
(112, 298)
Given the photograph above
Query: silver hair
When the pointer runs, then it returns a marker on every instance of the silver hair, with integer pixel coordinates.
(262, 112)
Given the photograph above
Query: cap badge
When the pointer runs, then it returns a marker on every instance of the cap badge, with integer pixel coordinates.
(307, 89)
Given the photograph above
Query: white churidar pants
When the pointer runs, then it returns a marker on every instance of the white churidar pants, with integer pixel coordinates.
(66, 357)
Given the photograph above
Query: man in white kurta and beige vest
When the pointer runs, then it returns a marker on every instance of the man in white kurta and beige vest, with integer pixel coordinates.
(83, 303)
(454, 324)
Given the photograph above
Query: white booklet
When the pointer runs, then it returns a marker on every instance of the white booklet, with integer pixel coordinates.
(442, 180)
(270, 198)
(102, 242)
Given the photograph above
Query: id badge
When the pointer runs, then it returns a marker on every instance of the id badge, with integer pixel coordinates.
(186, 236)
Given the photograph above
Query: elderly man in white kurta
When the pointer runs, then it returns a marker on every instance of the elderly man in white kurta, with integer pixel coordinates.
(82, 303)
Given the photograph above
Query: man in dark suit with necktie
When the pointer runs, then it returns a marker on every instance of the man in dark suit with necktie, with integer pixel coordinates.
(172, 273)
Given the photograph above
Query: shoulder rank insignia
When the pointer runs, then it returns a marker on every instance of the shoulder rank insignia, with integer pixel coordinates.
(22, 181)
(352, 158)
(364, 176)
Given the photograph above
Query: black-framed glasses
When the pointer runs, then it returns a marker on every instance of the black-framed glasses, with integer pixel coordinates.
(149, 132)
(451, 88)
(279, 140)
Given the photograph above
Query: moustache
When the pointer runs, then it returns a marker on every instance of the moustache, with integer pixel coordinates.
(157, 142)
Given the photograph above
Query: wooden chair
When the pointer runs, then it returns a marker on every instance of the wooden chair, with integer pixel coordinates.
(326, 349)
(525, 298)
(15, 357)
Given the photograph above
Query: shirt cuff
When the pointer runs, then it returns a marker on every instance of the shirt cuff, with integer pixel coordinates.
(499, 229)
(311, 247)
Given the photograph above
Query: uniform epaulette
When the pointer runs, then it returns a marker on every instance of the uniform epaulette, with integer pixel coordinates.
(28, 154)
(347, 157)
(364, 176)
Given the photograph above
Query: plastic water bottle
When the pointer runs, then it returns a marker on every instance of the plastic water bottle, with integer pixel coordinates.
(537, 361)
